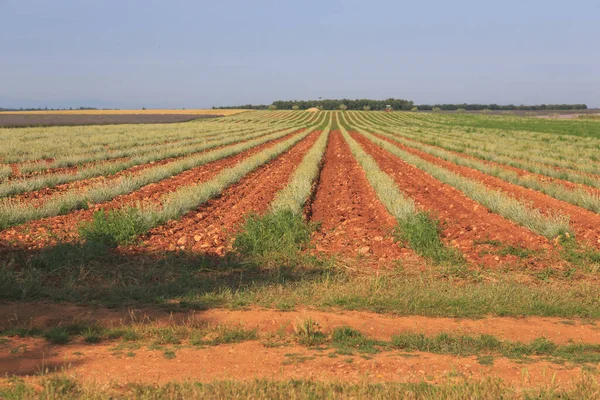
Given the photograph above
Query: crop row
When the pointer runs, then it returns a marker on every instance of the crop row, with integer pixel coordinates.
(109, 226)
(14, 212)
(576, 196)
(51, 180)
(536, 152)
(496, 201)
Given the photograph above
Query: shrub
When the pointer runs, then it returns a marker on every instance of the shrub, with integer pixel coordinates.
(343, 107)
(272, 107)
(414, 109)
(436, 109)
(367, 108)
(281, 233)
(295, 107)
(114, 227)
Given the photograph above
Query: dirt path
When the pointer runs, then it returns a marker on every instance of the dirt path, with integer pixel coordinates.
(586, 224)
(208, 229)
(47, 231)
(353, 221)
(125, 362)
(375, 325)
(467, 225)
(102, 364)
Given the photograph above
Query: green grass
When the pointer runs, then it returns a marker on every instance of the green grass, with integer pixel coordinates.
(576, 127)
(423, 234)
(223, 335)
(61, 386)
(201, 283)
(277, 235)
(308, 333)
(578, 254)
(58, 335)
(114, 227)
(464, 345)
(347, 340)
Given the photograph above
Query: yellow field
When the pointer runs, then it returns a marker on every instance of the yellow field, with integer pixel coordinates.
(122, 112)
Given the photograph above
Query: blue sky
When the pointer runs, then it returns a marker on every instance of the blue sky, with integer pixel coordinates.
(195, 54)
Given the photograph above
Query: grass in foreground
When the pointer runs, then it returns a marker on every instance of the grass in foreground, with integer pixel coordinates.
(92, 275)
(63, 386)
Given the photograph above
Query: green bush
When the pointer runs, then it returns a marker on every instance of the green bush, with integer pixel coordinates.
(114, 227)
(422, 233)
(278, 233)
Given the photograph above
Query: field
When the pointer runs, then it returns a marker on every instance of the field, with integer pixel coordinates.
(278, 254)
(13, 119)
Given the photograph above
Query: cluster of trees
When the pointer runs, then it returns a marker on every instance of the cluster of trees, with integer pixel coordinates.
(243, 107)
(328, 104)
(510, 107)
(337, 104)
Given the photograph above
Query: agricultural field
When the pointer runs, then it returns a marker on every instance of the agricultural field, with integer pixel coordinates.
(12, 119)
(278, 254)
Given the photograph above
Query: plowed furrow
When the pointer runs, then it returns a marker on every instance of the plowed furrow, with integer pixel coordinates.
(47, 231)
(353, 221)
(466, 224)
(586, 224)
(209, 228)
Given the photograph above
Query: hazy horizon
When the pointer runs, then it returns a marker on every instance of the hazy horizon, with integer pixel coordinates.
(201, 54)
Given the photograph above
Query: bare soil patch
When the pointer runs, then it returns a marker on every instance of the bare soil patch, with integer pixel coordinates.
(106, 362)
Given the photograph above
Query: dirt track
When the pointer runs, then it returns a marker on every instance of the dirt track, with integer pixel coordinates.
(104, 362)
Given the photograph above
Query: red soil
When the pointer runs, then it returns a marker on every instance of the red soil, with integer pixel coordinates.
(209, 228)
(466, 223)
(47, 231)
(376, 325)
(353, 221)
(586, 224)
(102, 363)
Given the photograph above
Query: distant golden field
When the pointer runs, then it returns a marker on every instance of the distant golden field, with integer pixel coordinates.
(124, 112)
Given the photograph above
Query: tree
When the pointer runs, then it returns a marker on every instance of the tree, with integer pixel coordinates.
(295, 107)
(343, 107)
(272, 107)
(414, 109)
(367, 108)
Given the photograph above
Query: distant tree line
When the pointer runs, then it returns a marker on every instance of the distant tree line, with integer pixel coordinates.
(396, 104)
(336, 104)
(509, 107)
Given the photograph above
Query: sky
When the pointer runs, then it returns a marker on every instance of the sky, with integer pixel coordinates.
(198, 54)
